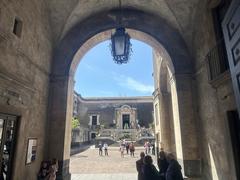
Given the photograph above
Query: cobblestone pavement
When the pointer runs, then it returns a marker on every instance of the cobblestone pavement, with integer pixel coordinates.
(88, 165)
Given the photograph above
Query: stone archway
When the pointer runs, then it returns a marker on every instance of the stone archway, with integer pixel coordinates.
(61, 84)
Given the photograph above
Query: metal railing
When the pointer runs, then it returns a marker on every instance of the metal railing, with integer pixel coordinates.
(217, 61)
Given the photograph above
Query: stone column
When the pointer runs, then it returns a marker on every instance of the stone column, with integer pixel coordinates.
(185, 124)
(165, 121)
(60, 114)
(157, 120)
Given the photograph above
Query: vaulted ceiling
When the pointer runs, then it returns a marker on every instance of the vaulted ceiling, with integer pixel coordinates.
(180, 14)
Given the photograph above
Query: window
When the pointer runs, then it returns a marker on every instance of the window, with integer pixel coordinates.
(17, 28)
(94, 120)
(217, 57)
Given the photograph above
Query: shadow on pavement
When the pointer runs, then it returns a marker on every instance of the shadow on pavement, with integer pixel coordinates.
(79, 149)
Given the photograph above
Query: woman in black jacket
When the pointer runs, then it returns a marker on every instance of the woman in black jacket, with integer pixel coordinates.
(149, 170)
(174, 169)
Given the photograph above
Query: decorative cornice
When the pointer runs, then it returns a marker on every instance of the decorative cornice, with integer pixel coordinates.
(140, 99)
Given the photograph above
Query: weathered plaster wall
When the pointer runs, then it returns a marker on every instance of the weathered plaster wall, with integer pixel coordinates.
(212, 104)
(24, 75)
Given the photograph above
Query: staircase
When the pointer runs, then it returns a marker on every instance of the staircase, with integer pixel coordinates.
(114, 136)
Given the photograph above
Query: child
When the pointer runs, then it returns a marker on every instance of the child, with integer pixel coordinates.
(43, 172)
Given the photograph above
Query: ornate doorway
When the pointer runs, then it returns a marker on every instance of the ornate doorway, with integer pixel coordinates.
(126, 121)
(7, 142)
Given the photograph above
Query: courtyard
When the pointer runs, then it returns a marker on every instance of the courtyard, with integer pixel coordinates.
(88, 165)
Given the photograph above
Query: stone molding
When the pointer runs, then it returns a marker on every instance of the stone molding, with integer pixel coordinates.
(221, 79)
(144, 99)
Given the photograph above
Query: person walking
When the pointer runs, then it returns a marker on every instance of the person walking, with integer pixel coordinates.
(146, 147)
(174, 168)
(162, 164)
(132, 149)
(149, 170)
(100, 149)
(105, 147)
(122, 150)
(139, 166)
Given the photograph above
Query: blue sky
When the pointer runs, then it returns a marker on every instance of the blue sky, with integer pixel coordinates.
(98, 76)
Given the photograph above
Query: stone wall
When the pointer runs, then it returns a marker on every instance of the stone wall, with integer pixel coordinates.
(212, 103)
(106, 109)
(80, 135)
(24, 75)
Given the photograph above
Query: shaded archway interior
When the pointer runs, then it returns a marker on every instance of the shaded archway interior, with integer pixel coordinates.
(152, 25)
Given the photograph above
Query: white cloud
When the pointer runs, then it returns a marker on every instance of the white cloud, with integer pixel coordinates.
(130, 83)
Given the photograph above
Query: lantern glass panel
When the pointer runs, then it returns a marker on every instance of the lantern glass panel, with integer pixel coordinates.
(119, 45)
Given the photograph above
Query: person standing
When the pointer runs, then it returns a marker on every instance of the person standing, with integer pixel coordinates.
(127, 147)
(132, 149)
(100, 149)
(174, 168)
(162, 164)
(149, 170)
(105, 147)
(122, 150)
(139, 166)
(146, 147)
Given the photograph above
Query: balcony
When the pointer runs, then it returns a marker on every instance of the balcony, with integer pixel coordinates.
(217, 64)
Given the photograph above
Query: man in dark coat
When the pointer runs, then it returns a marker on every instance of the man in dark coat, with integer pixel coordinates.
(174, 169)
(139, 166)
(127, 147)
(149, 170)
(100, 147)
(162, 164)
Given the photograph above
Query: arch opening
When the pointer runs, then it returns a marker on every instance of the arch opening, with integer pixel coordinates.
(143, 26)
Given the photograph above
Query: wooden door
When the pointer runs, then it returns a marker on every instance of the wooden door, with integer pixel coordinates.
(234, 128)
(231, 31)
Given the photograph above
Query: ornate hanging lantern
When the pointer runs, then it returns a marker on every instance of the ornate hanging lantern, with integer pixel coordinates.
(121, 46)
